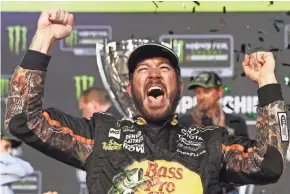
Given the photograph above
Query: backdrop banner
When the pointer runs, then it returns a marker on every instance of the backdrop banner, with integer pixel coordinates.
(204, 41)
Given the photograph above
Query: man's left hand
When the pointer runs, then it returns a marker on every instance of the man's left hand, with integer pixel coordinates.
(260, 67)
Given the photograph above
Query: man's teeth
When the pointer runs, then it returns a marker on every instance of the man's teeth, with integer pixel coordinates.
(154, 88)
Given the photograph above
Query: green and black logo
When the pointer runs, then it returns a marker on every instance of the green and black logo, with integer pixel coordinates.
(4, 88)
(17, 37)
(83, 82)
(72, 39)
(178, 47)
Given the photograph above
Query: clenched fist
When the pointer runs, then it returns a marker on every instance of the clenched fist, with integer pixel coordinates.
(52, 25)
(58, 22)
(260, 67)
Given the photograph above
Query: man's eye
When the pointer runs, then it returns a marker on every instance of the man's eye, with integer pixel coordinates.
(165, 68)
(142, 69)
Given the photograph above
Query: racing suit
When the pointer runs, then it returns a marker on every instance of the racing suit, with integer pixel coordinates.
(133, 156)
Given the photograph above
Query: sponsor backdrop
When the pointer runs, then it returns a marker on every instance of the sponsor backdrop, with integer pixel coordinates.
(204, 41)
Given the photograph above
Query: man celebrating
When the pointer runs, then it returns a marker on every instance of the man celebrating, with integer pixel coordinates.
(150, 153)
(208, 89)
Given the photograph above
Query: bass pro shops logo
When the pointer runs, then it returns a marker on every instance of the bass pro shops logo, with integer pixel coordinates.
(83, 82)
(17, 38)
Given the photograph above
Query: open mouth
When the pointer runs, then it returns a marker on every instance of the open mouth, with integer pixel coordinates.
(155, 94)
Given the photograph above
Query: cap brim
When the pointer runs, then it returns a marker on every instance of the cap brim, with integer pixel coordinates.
(194, 85)
(149, 51)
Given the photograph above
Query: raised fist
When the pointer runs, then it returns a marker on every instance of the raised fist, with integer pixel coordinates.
(260, 67)
(57, 23)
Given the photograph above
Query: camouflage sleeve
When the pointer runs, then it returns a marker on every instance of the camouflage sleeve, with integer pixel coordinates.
(259, 161)
(54, 133)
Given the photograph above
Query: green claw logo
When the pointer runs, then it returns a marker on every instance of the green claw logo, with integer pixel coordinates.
(17, 37)
(4, 88)
(178, 46)
(127, 182)
(82, 83)
(72, 39)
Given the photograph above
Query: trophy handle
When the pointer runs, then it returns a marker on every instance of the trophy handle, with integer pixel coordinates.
(104, 79)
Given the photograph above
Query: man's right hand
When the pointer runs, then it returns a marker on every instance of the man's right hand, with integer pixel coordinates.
(58, 23)
(52, 25)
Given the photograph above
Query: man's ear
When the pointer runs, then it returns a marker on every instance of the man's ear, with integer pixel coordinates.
(129, 89)
(221, 91)
(181, 87)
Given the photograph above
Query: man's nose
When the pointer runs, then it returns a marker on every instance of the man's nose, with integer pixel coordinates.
(154, 73)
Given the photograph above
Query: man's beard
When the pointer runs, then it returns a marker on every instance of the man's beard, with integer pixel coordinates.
(174, 98)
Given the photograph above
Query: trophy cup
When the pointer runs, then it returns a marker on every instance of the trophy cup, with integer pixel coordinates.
(114, 72)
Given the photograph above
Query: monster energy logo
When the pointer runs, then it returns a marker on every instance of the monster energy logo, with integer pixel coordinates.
(4, 88)
(72, 39)
(17, 37)
(82, 83)
(178, 48)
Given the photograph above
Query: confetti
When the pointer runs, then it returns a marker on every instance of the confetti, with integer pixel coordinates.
(236, 51)
(286, 80)
(288, 13)
(286, 64)
(155, 4)
(227, 105)
(224, 9)
(261, 39)
(247, 26)
(243, 74)
(271, 2)
(222, 21)
(276, 27)
(193, 10)
(279, 21)
(249, 47)
(214, 30)
(258, 48)
(183, 5)
(197, 3)
(238, 58)
(288, 47)
(274, 49)
(170, 32)
(234, 77)
(132, 36)
(243, 48)
(261, 31)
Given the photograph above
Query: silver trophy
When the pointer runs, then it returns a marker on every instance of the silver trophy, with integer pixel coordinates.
(114, 72)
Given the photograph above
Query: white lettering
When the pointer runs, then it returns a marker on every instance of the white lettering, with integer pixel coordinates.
(134, 147)
(114, 133)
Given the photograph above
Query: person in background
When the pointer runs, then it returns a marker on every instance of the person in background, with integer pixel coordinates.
(12, 168)
(96, 100)
(208, 89)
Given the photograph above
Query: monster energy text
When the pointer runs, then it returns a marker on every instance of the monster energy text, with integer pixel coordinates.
(83, 82)
(72, 39)
(17, 37)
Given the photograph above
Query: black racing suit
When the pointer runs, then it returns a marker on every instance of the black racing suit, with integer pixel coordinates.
(132, 156)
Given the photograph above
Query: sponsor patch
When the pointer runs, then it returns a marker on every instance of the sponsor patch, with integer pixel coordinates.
(282, 116)
(116, 133)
